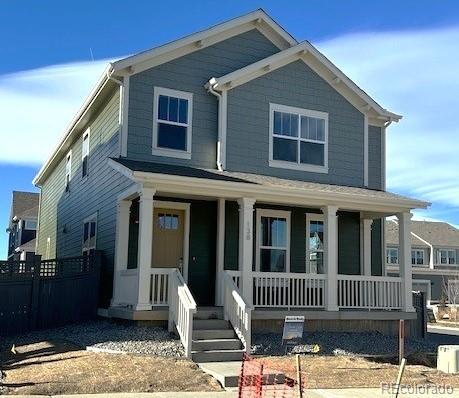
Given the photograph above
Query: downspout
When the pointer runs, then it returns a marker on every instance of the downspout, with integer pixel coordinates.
(210, 88)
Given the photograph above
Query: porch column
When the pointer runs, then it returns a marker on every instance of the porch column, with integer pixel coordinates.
(246, 246)
(122, 244)
(331, 256)
(144, 248)
(404, 237)
(366, 229)
(220, 252)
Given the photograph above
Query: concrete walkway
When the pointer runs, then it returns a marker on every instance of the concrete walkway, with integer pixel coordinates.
(442, 329)
(330, 393)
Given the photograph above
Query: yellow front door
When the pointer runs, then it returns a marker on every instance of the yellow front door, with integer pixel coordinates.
(168, 233)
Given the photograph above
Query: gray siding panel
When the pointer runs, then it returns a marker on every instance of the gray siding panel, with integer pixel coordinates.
(374, 157)
(190, 73)
(299, 86)
(62, 213)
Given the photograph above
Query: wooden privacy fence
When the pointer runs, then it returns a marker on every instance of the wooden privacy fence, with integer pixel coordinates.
(40, 294)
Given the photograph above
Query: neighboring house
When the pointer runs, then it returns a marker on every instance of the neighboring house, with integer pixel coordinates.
(434, 257)
(22, 224)
(233, 154)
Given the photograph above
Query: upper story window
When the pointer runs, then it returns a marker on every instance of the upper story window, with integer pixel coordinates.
(298, 139)
(89, 234)
(446, 257)
(417, 257)
(392, 255)
(85, 154)
(30, 224)
(68, 171)
(172, 123)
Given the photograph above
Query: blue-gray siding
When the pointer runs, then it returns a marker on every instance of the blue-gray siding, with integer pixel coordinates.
(374, 157)
(190, 73)
(299, 86)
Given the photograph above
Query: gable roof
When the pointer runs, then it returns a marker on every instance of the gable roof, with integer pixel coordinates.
(437, 234)
(24, 205)
(312, 57)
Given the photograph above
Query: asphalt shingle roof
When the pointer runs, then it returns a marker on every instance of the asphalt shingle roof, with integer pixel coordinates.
(24, 205)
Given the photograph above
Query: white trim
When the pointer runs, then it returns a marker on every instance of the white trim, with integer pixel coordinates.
(365, 150)
(319, 63)
(224, 128)
(278, 214)
(386, 257)
(313, 217)
(429, 288)
(87, 133)
(124, 115)
(68, 171)
(163, 204)
(176, 153)
(300, 112)
(205, 38)
(91, 218)
(220, 251)
(448, 250)
(279, 194)
(415, 251)
(367, 226)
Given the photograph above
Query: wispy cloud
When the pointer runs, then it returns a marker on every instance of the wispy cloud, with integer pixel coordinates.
(37, 105)
(414, 74)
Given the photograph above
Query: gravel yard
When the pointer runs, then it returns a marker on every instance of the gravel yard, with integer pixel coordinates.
(371, 343)
(108, 335)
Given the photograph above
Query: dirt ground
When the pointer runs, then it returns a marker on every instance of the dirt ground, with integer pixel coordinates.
(61, 368)
(343, 371)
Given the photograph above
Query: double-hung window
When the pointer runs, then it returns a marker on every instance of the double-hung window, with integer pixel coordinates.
(447, 257)
(85, 154)
(417, 257)
(30, 225)
(273, 242)
(89, 235)
(314, 244)
(172, 123)
(68, 171)
(298, 139)
(392, 255)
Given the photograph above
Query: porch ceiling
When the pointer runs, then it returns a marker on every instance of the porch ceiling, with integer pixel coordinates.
(233, 185)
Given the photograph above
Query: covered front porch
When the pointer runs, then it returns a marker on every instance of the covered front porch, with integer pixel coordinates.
(224, 239)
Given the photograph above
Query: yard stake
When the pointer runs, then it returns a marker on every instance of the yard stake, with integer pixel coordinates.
(400, 375)
(298, 375)
(401, 336)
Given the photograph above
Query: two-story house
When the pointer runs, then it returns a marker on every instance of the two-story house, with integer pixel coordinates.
(235, 167)
(22, 225)
(434, 257)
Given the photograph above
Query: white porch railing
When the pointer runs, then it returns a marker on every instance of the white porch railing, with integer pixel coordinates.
(182, 307)
(236, 276)
(236, 310)
(370, 292)
(159, 286)
(288, 290)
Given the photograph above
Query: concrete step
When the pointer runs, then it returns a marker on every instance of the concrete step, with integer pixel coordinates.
(205, 334)
(216, 344)
(217, 355)
(210, 324)
(209, 313)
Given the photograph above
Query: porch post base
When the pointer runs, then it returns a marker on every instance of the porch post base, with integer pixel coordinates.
(143, 307)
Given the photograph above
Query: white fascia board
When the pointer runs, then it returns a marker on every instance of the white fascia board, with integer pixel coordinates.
(226, 189)
(306, 52)
(255, 20)
(104, 78)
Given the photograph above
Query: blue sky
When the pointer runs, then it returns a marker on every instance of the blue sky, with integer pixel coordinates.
(403, 53)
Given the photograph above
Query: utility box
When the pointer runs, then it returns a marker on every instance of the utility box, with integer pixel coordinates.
(448, 358)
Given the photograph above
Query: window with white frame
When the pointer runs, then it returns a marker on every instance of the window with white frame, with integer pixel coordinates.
(89, 235)
(172, 123)
(85, 154)
(68, 171)
(392, 255)
(417, 257)
(298, 138)
(30, 224)
(273, 242)
(314, 244)
(447, 256)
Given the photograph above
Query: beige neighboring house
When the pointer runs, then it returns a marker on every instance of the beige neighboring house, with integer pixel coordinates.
(434, 257)
(22, 224)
